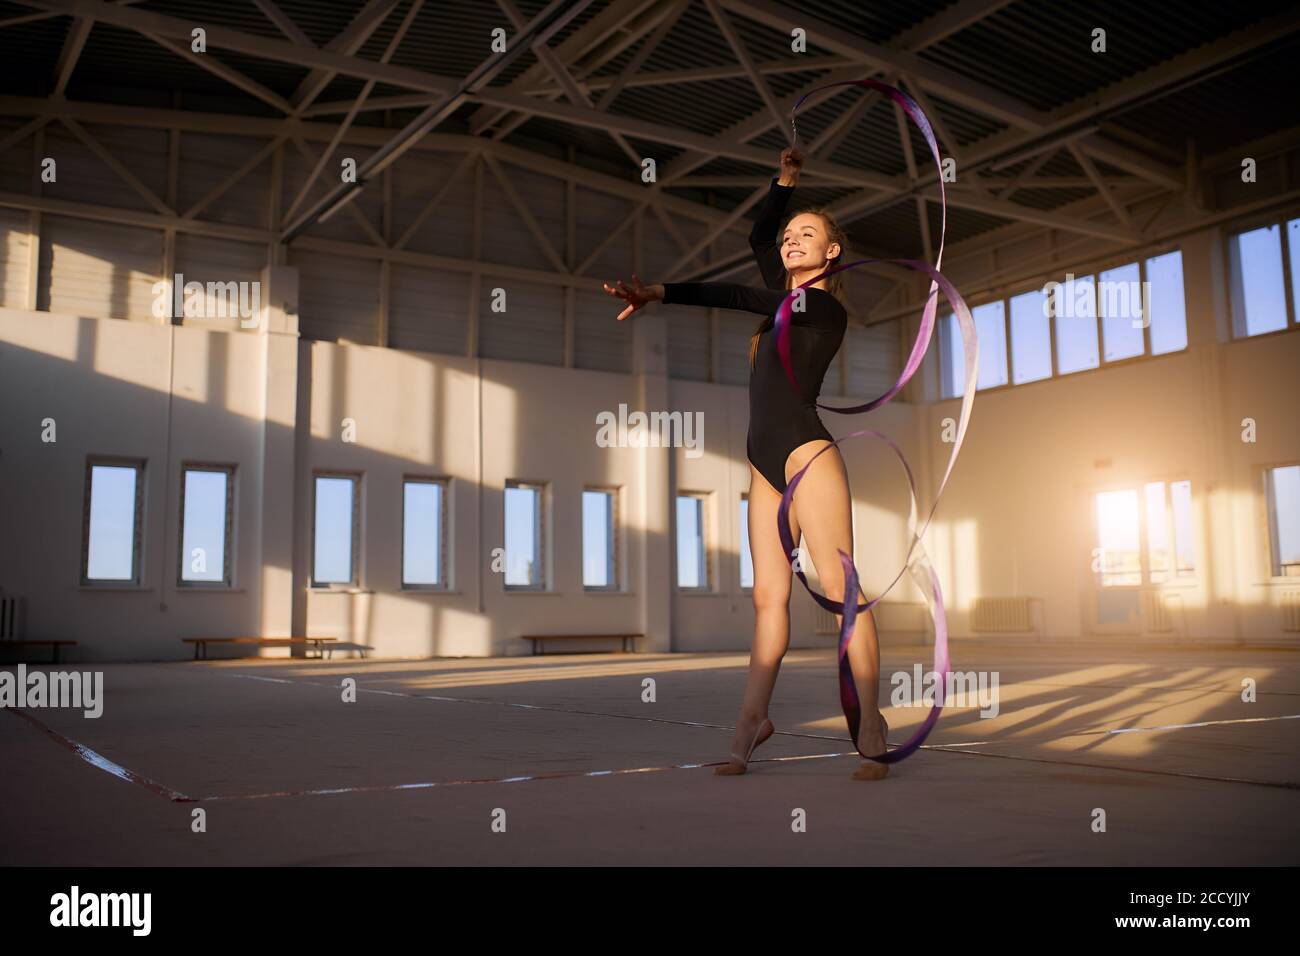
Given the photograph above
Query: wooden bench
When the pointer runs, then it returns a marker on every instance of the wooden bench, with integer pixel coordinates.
(201, 643)
(53, 645)
(538, 646)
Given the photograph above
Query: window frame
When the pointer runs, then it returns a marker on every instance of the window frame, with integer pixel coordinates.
(543, 510)
(1269, 541)
(1138, 485)
(1229, 233)
(614, 542)
(1094, 270)
(444, 533)
(137, 543)
(227, 570)
(706, 543)
(740, 552)
(356, 478)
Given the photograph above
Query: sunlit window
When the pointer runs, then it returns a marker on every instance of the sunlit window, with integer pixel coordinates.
(207, 512)
(112, 519)
(746, 558)
(424, 533)
(524, 524)
(692, 558)
(1282, 491)
(599, 567)
(1258, 290)
(334, 530)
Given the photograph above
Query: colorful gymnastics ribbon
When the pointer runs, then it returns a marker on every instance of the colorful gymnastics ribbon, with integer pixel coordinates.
(917, 563)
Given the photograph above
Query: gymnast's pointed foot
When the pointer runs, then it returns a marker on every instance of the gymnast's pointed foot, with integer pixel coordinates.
(752, 732)
(873, 738)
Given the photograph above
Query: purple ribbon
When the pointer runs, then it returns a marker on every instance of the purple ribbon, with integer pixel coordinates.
(917, 562)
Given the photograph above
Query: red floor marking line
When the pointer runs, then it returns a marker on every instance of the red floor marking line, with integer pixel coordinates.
(103, 763)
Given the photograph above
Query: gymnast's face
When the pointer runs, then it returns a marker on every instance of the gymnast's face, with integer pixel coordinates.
(805, 246)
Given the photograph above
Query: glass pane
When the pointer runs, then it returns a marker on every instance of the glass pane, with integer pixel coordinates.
(1168, 314)
(1286, 520)
(1120, 300)
(1076, 325)
(1157, 533)
(953, 374)
(523, 544)
(1031, 340)
(746, 559)
(1117, 537)
(1293, 250)
(333, 559)
(1184, 542)
(422, 533)
(203, 535)
(111, 554)
(691, 570)
(597, 539)
(1258, 300)
(991, 326)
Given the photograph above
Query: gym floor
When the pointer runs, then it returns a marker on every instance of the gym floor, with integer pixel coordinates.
(558, 760)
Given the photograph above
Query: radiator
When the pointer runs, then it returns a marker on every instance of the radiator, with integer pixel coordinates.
(1155, 611)
(1001, 614)
(8, 618)
(1291, 610)
(824, 623)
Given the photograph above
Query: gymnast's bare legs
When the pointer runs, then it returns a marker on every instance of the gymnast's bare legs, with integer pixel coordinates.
(821, 512)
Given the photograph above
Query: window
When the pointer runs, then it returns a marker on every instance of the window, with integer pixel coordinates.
(692, 551)
(1258, 287)
(524, 529)
(424, 533)
(991, 327)
(746, 558)
(335, 530)
(1164, 510)
(599, 541)
(1119, 299)
(1184, 544)
(1292, 241)
(1075, 311)
(111, 525)
(1282, 495)
(1168, 318)
(207, 521)
(1031, 338)
(1117, 538)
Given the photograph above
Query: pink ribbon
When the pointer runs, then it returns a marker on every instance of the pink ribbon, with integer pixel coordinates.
(917, 562)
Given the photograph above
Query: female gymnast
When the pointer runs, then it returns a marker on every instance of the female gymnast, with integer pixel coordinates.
(784, 433)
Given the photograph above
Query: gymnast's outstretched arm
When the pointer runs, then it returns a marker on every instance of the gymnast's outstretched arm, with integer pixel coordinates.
(718, 295)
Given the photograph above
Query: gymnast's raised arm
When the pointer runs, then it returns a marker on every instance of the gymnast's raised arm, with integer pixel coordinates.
(763, 238)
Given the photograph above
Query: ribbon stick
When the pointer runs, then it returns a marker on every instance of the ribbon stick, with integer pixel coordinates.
(917, 562)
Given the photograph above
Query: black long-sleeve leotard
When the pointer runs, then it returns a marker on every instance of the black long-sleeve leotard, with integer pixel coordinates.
(780, 419)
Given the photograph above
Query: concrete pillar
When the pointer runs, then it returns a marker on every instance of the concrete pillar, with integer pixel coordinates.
(275, 479)
(655, 583)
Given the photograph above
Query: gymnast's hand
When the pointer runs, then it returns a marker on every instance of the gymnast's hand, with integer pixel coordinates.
(637, 296)
(791, 165)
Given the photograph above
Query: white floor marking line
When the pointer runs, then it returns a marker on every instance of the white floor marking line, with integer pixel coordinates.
(1129, 730)
(100, 762)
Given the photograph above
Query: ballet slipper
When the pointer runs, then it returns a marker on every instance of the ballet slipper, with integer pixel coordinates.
(870, 770)
(740, 764)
